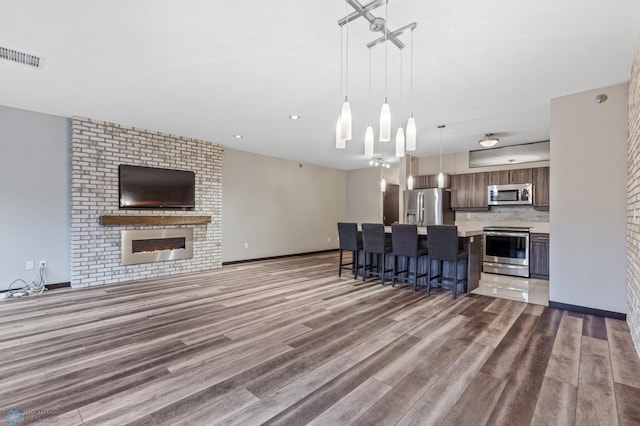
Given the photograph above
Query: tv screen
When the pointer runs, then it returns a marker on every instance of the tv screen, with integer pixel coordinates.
(149, 187)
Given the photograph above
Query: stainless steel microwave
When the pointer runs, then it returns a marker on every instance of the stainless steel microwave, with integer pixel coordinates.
(509, 195)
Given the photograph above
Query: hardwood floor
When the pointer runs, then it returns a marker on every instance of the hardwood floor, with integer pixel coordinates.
(287, 342)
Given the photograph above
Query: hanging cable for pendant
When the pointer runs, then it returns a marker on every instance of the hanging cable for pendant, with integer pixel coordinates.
(345, 115)
(368, 134)
(385, 112)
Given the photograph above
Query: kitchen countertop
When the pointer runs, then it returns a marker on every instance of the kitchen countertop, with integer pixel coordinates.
(462, 232)
(534, 227)
(470, 229)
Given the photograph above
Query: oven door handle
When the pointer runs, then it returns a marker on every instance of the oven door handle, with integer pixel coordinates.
(506, 234)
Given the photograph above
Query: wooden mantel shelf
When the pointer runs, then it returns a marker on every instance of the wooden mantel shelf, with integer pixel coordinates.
(153, 220)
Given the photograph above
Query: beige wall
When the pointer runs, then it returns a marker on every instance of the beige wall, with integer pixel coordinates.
(589, 200)
(633, 206)
(278, 207)
(364, 198)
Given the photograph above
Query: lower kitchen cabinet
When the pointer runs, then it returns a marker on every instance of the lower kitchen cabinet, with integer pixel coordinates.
(539, 256)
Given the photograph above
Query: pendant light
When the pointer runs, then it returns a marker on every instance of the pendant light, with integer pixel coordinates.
(411, 123)
(385, 112)
(368, 134)
(400, 132)
(440, 175)
(340, 142)
(346, 107)
(410, 178)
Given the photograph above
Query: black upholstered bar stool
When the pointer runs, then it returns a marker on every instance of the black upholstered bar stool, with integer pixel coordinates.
(404, 239)
(374, 244)
(350, 239)
(442, 243)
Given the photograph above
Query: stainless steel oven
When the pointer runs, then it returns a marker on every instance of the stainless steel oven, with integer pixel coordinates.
(506, 251)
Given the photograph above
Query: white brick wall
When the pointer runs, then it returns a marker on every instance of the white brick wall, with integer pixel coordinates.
(633, 228)
(98, 148)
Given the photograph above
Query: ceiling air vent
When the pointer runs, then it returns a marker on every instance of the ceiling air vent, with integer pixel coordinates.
(19, 57)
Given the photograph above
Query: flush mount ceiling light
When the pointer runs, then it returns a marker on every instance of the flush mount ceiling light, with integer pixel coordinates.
(294, 117)
(237, 136)
(489, 140)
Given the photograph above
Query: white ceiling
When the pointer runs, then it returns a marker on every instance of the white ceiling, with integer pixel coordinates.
(212, 69)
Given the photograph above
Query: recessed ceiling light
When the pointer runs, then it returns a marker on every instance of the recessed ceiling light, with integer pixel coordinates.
(237, 136)
(294, 117)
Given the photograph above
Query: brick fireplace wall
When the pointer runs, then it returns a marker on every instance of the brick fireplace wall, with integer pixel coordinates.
(633, 205)
(98, 148)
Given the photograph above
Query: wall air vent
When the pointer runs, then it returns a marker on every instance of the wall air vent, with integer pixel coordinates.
(19, 57)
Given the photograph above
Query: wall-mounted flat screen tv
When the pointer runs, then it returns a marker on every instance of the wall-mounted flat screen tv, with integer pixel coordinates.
(153, 188)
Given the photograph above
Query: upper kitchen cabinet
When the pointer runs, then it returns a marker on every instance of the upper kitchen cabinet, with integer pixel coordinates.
(469, 191)
(430, 181)
(541, 188)
(506, 177)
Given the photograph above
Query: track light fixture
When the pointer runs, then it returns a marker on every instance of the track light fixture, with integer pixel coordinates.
(405, 141)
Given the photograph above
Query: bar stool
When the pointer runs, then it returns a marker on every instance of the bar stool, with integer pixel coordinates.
(442, 243)
(374, 243)
(404, 239)
(350, 239)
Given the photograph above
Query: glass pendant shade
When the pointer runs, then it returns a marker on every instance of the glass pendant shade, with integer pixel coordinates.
(340, 143)
(411, 134)
(368, 142)
(410, 183)
(346, 120)
(440, 180)
(383, 185)
(385, 123)
(400, 143)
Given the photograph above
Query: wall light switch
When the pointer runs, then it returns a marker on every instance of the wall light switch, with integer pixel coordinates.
(29, 265)
(329, 239)
(246, 245)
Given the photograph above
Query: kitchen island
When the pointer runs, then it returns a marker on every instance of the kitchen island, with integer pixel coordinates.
(469, 239)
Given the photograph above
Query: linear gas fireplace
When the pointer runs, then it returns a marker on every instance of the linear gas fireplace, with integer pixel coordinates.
(156, 245)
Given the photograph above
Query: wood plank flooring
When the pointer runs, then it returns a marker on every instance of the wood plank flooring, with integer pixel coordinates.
(287, 342)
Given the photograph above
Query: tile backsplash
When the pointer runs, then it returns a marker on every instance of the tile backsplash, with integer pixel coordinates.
(504, 214)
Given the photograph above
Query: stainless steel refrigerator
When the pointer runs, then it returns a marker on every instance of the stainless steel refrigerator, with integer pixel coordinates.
(428, 207)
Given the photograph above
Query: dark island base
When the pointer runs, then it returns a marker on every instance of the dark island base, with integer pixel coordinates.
(472, 245)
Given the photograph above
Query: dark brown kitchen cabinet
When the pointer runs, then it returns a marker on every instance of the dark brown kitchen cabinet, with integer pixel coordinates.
(539, 255)
(505, 177)
(499, 178)
(541, 188)
(469, 191)
(521, 176)
(429, 181)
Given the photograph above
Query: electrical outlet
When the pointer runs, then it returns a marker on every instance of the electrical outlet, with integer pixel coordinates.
(42, 263)
(29, 265)
(246, 245)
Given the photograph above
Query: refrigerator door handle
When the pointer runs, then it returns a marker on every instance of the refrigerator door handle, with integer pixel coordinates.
(420, 208)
